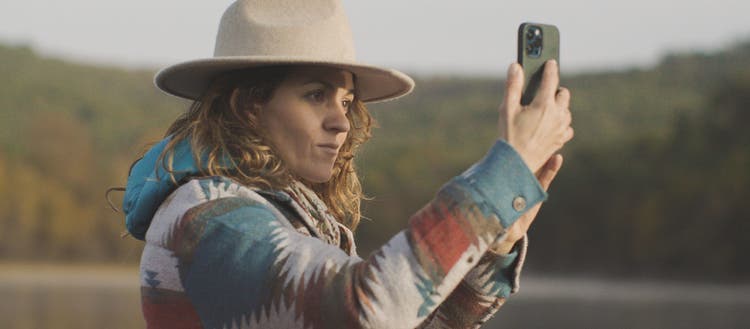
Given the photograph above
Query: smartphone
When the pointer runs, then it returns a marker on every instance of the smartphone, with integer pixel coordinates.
(537, 43)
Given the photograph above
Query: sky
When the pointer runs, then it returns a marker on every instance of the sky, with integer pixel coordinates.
(476, 37)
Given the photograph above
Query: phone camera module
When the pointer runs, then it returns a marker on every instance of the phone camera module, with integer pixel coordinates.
(534, 41)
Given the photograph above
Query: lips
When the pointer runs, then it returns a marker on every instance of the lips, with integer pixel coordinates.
(330, 147)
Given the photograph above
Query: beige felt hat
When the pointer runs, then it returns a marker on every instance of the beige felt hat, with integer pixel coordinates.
(255, 33)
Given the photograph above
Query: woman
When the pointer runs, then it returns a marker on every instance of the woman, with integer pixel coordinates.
(248, 205)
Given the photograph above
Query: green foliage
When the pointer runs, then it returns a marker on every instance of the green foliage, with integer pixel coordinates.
(650, 184)
(653, 183)
(68, 132)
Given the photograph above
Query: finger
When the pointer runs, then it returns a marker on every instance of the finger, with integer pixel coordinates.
(550, 170)
(514, 86)
(524, 222)
(550, 81)
(562, 98)
(567, 117)
(568, 135)
(553, 163)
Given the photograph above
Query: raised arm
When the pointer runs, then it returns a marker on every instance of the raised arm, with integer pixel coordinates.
(239, 264)
(486, 287)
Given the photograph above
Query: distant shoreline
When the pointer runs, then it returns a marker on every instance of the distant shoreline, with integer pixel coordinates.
(69, 275)
(624, 290)
(121, 276)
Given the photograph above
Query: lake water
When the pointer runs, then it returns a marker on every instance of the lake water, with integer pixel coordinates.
(38, 297)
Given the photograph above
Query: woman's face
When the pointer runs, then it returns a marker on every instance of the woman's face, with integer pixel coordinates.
(306, 119)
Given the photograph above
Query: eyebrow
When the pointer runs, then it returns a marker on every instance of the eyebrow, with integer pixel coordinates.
(328, 85)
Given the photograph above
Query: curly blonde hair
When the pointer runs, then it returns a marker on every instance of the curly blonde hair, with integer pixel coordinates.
(227, 139)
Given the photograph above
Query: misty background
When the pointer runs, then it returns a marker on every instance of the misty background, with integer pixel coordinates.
(425, 36)
(646, 226)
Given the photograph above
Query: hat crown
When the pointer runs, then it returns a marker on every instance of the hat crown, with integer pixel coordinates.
(311, 29)
(256, 33)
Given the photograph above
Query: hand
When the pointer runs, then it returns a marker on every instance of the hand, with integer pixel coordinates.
(521, 226)
(540, 129)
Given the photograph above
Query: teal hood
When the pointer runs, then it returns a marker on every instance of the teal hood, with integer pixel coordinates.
(149, 184)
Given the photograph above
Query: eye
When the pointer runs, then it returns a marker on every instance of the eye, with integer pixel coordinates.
(317, 95)
(347, 104)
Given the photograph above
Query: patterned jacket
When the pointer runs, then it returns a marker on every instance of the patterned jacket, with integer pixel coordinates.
(221, 255)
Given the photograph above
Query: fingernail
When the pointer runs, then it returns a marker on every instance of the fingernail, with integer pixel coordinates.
(552, 62)
(513, 69)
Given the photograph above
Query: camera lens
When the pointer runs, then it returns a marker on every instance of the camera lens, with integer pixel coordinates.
(534, 41)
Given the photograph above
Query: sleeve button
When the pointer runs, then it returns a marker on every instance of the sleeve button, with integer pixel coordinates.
(519, 203)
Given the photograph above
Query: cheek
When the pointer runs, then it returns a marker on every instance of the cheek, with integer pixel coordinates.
(285, 139)
(290, 135)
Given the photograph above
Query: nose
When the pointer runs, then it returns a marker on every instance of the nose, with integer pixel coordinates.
(336, 120)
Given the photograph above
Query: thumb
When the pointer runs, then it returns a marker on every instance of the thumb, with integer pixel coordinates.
(513, 87)
(549, 170)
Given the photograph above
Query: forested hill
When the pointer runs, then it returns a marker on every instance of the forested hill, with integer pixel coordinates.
(654, 182)
(69, 131)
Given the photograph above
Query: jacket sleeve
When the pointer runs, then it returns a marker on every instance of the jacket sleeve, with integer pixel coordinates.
(242, 268)
(482, 292)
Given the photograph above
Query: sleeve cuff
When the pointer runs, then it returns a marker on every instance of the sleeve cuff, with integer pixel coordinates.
(498, 275)
(504, 184)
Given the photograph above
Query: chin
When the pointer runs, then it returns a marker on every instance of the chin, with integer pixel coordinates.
(319, 177)
(318, 181)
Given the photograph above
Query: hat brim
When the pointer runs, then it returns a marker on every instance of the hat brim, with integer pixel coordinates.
(190, 79)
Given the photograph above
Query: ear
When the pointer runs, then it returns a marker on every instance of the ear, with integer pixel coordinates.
(254, 112)
(246, 101)
(255, 109)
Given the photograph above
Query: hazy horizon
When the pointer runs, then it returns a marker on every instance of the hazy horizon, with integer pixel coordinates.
(422, 37)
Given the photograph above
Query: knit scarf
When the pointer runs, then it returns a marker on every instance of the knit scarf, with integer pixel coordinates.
(321, 217)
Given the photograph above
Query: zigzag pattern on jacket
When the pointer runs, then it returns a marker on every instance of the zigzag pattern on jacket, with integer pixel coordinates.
(221, 256)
